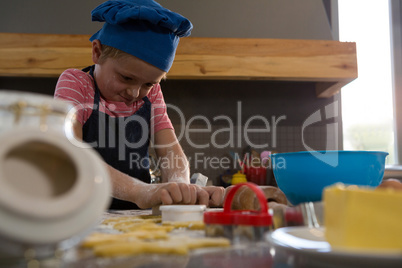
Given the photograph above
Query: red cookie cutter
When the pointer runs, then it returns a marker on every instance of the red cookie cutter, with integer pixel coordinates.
(241, 217)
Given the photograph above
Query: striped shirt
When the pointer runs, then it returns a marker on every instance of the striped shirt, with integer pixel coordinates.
(77, 87)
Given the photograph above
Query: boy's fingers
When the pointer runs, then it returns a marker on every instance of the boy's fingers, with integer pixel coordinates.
(175, 192)
(165, 197)
(185, 192)
(216, 196)
(193, 191)
(202, 197)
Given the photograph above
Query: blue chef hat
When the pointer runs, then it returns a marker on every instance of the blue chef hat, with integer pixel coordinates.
(142, 28)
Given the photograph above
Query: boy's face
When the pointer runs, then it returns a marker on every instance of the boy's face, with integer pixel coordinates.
(126, 79)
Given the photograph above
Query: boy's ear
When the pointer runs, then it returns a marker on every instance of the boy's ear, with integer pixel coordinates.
(96, 50)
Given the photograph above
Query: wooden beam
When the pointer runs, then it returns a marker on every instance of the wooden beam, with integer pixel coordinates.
(44, 55)
(328, 89)
(331, 63)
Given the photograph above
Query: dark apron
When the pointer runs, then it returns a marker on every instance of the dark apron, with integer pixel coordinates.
(121, 141)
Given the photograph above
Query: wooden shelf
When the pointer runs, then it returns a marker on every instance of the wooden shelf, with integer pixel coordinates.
(331, 64)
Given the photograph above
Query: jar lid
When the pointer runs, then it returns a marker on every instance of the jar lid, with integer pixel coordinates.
(218, 217)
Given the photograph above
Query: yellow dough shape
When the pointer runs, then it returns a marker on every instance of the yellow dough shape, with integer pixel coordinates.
(201, 242)
(177, 245)
(104, 238)
(142, 235)
(192, 225)
(150, 222)
(139, 218)
(135, 223)
(151, 227)
(125, 248)
(124, 223)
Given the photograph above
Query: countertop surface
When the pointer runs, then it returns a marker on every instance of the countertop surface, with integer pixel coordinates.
(252, 254)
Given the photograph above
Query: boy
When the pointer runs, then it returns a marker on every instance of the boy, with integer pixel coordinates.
(120, 104)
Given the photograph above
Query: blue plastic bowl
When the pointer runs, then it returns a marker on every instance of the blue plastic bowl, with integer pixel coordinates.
(302, 176)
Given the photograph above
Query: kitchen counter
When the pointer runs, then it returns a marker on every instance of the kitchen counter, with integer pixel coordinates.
(261, 254)
(256, 254)
(244, 255)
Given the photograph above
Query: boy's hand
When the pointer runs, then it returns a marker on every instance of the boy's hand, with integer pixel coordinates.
(215, 194)
(179, 193)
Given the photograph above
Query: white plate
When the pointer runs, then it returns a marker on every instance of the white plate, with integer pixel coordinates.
(309, 245)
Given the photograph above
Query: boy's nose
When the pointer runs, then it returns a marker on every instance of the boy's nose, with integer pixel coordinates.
(134, 92)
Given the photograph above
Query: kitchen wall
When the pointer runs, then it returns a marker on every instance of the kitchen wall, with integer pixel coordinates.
(277, 109)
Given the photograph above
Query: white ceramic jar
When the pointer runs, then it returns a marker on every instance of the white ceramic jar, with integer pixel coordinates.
(53, 188)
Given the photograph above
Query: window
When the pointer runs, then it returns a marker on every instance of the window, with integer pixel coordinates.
(367, 102)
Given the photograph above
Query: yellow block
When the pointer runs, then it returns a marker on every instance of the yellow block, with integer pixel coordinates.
(363, 218)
